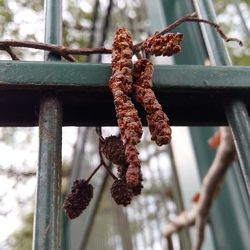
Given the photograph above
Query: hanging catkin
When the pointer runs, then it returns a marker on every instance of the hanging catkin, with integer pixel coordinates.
(157, 119)
(120, 192)
(78, 199)
(114, 150)
(127, 116)
(160, 45)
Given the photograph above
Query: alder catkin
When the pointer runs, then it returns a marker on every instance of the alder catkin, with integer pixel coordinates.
(122, 52)
(163, 45)
(157, 119)
(78, 199)
(127, 116)
(120, 192)
(113, 149)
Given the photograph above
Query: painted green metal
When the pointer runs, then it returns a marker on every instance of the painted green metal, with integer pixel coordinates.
(232, 200)
(48, 202)
(187, 77)
(193, 47)
(234, 106)
(236, 111)
(230, 207)
(53, 26)
(47, 214)
(240, 123)
(191, 94)
(193, 53)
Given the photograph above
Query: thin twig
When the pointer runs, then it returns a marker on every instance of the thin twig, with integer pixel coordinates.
(191, 18)
(57, 49)
(104, 163)
(211, 183)
(10, 52)
(99, 133)
(68, 52)
(184, 219)
(94, 172)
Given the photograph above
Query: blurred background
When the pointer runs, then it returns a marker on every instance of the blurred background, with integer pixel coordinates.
(104, 225)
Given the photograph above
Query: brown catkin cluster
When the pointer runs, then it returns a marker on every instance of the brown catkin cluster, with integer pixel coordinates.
(122, 52)
(78, 199)
(114, 150)
(134, 168)
(127, 116)
(120, 192)
(160, 45)
(157, 119)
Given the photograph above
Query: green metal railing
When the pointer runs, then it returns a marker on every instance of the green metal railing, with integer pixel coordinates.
(47, 231)
(77, 94)
(234, 200)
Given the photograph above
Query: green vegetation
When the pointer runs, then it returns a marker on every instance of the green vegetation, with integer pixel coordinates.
(234, 15)
(22, 238)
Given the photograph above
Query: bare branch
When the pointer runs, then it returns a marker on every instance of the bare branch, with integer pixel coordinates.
(103, 161)
(190, 18)
(10, 52)
(60, 50)
(68, 53)
(212, 181)
(184, 219)
(209, 189)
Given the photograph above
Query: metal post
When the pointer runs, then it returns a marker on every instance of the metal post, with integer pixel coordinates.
(234, 108)
(238, 118)
(47, 223)
(234, 196)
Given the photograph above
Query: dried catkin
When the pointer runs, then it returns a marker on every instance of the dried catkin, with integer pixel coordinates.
(114, 150)
(157, 119)
(121, 172)
(78, 199)
(122, 52)
(163, 45)
(120, 192)
(134, 168)
(127, 116)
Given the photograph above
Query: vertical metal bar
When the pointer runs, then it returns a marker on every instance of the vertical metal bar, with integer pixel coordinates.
(238, 118)
(233, 107)
(193, 52)
(53, 26)
(47, 223)
(233, 200)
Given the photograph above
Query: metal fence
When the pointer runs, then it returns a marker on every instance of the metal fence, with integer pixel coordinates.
(77, 94)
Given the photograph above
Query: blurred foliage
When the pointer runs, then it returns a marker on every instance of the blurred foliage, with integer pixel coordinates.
(6, 15)
(234, 16)
(22, 238)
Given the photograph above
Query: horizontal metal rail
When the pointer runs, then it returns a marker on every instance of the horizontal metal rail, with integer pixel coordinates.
(190, 95)
(224, 78)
